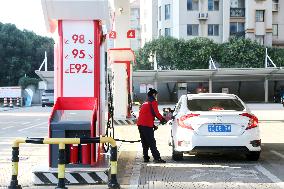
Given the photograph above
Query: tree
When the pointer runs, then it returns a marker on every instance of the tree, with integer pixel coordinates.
(21, 52)
(182, 54)
(242, 53)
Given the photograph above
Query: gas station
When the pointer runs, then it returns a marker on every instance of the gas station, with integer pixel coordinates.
(93, 91)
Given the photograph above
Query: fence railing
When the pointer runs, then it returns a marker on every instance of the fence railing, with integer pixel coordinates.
(112, 183)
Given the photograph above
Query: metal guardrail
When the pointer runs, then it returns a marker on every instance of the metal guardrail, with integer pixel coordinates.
(112, 184)
(237, 12)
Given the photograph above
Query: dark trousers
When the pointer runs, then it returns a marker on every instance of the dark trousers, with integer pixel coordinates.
(148, 141)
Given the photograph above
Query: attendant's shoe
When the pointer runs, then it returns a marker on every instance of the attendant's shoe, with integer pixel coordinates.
(146, 159)
(159, 161)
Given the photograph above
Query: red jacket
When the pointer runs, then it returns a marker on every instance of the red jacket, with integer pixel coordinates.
(148, 112)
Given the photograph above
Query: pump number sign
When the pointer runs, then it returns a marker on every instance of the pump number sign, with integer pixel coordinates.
(78, 58)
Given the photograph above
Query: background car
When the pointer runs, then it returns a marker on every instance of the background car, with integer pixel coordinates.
(47, 98)
(214, 123)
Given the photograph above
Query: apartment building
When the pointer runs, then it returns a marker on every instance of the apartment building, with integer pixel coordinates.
(260, 20)
(135, 23)
(148, 20)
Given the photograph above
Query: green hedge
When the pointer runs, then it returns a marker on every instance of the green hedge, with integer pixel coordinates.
(26, 81)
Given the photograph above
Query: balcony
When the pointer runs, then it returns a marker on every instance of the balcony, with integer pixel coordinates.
(240, 34)
(203, 16)
(237, 12)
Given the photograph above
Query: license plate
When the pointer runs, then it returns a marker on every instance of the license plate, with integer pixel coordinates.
(219, 128)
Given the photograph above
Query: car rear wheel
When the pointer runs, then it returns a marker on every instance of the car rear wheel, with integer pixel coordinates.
(253, 156)
(176, 156)
(42, 105)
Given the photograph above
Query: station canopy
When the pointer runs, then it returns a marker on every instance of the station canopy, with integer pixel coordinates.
(203, 75)
(198, 75)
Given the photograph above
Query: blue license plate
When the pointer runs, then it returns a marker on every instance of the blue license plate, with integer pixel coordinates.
(219, 128)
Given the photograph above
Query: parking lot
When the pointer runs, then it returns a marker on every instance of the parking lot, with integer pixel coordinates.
(206, 171)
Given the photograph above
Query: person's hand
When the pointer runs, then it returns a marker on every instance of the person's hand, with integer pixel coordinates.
(155, 127)
(163, 121)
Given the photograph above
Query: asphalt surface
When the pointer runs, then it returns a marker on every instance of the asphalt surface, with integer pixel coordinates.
(207, 171)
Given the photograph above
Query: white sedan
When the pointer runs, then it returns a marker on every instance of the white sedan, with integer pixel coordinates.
(214, 123)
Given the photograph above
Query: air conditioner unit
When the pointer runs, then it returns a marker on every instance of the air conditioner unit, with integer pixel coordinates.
(203, 16)
(275, 7)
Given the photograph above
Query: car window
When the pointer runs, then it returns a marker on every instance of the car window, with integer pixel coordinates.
(214, 104)
(49, 91)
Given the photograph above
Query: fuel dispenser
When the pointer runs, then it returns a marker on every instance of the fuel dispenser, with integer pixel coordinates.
(78, 87)
(79, 84)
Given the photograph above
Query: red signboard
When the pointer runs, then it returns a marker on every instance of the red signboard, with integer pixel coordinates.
(131, 34)
(112, 35)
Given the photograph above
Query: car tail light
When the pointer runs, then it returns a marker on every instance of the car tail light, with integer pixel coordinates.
(253, 121)
(185, 117)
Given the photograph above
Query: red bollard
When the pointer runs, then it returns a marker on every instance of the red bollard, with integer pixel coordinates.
(74, 150)
(86, 153)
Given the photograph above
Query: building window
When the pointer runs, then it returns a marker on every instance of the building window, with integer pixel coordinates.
(275, 29)
(167, 31)
(192, 5)
(213, 5)
(237, 3)
(213, 29)
(160, 32)
(167, 11)
(192, 29)
(160, 9)
(237, 28)
(260, 39)
(259, 15)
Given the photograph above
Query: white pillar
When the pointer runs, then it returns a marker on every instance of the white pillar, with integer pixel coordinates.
(210, 85)
(266, 89)
(121, 23)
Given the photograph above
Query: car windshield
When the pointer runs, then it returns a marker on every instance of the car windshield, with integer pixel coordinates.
(214, 104)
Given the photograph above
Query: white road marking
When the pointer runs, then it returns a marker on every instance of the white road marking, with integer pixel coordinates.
(42, 127)
(277, 153)
(31, 114)
(25, 123)
(8, 127)
(134, 180)
(32, 126)
(269, 175)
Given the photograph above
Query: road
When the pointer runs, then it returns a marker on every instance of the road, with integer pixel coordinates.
(207, 171)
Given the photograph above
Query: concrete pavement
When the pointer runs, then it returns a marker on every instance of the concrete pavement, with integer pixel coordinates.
(205, 171)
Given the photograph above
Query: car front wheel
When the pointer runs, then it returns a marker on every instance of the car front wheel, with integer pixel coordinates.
(253, 156)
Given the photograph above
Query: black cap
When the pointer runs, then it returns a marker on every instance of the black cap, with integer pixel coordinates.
(152, 91)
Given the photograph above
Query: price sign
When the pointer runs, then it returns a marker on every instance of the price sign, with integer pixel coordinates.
(112, 35)
(131, 34)
(78, 58)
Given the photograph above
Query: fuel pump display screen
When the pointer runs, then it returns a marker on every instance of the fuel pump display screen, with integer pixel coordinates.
(78, 58)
